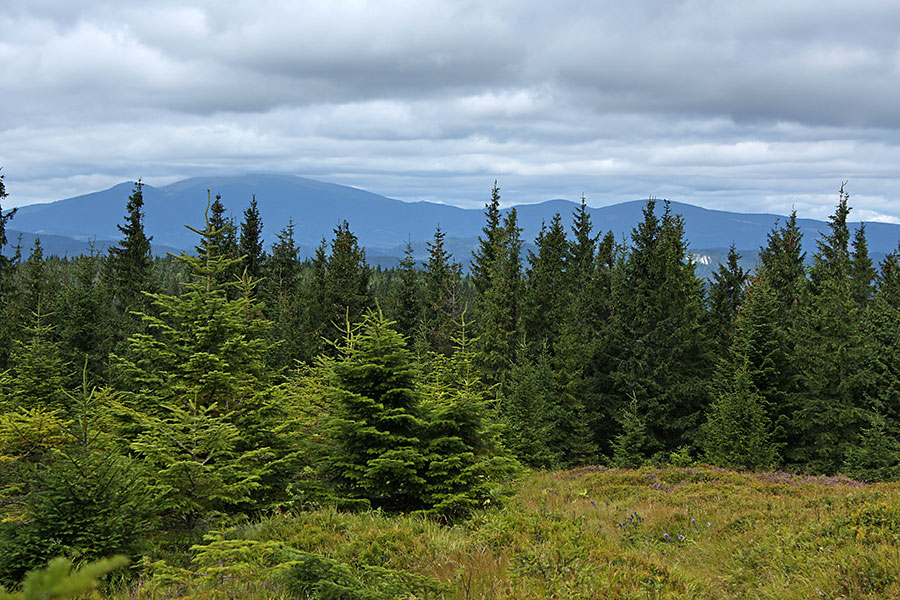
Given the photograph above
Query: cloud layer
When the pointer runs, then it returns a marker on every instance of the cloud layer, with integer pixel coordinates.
(746, 106)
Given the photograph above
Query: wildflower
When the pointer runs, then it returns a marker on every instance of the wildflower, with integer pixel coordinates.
(594, 503)
(680, 538)
(708, 524)
(666, 535)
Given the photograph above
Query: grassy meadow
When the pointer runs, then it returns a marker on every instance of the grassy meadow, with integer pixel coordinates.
(672, 533)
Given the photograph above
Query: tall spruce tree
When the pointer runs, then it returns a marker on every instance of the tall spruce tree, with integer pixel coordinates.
(726, 292)
(443, 306)
(225, 241)
(490, 243)
(862, 272)
(251, 244)
(664, 354)
(407, 300)
(131, 261)
(6, 284)
(548, 287)
(281, 297)
(200, 373)
(830, 352)
(499, 308)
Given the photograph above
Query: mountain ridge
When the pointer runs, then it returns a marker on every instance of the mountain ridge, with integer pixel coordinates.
(381, 224)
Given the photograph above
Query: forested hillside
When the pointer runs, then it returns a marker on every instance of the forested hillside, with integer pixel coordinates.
(146, 403)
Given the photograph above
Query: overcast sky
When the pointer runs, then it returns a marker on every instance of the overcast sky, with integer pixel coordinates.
(752, 106)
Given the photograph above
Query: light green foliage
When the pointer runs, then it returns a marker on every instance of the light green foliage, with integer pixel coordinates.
(197, 470)
(738, 432)
(79, 496)
(205, 413)
(672, 533)
(631, 446)
(59, 580)
(465, 458)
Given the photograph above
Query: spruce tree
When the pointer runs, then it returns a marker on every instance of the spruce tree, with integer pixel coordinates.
(225, 241)
(726, 292)
(489, 245)
(7, 314)
(498, 313)
(281, 298)
(830, 353)
(251, 244)
(131, 261)
(347, 279)
(528, 411)
(862, 273)
(464, 455)
(782, 259)
(663, 352)
(378, 422)
(737, 433)
(200, 372)
(83, 498)
(548, 287)
(407, 298)
(443, 304)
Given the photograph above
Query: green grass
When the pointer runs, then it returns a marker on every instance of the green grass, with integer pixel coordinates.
(586, 533)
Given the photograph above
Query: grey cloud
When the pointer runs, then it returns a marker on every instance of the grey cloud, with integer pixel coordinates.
(724, 104)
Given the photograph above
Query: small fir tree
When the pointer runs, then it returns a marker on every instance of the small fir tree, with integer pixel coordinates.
(378, 423)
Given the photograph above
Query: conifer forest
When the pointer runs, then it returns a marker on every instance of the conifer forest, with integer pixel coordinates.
(588, 419)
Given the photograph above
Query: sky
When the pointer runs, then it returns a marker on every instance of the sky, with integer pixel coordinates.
(757, 106)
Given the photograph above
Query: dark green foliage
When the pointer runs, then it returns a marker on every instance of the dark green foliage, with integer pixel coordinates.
(876, 455)
(407, 298)
(528, 411)
(547, 292)
(251, 243)
(378, 423)
(862, 273)
(86, 323)
(664, 353)
(830, 354)
(498, 308)
(726, 292)
(130, 262)
(489, 244)
(782, 260)
(336, 291)
(443, 306)
(224, 238)
(281, 298)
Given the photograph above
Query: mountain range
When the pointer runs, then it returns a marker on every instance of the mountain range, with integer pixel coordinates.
(383, 225)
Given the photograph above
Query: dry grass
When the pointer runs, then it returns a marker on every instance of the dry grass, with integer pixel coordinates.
(597, 533)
